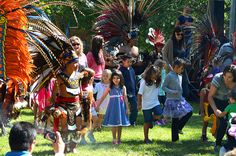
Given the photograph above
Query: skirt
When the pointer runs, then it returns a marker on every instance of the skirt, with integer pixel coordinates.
(176, 108)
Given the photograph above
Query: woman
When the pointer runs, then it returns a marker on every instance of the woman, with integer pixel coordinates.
(175, 48)
(221, 84)
(78, 48)
(95, 57)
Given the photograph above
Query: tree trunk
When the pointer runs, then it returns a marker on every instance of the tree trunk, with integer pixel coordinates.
(232, 24)
(216, 12)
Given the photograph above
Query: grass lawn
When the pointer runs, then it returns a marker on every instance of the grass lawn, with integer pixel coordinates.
(132, 141)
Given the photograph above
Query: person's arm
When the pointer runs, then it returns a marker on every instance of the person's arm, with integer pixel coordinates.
(126, 99)
(59, 145)
(221, 114)
(165, 86)
(165, 53)
(211, 94)
(99, 101)
(139, 99)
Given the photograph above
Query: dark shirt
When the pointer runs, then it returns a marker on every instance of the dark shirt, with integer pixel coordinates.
(178, 52)
(129, 80)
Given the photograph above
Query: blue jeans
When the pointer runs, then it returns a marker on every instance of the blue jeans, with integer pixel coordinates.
(133, 109)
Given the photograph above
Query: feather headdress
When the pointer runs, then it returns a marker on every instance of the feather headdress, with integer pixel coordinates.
(155, 37)
(16, 62)
(119, 20)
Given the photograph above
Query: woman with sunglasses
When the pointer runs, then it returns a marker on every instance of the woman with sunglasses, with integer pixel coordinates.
(78, 47)
(174, 48)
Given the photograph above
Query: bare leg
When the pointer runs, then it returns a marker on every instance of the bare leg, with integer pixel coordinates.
(95, 122)
(114, 132)
(119, 134)
(146, 130)
(100, 119)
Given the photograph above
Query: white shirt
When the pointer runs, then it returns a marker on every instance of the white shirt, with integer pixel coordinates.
(99, 89)
(149, 95)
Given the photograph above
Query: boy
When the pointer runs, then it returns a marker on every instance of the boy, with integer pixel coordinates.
(130, 84)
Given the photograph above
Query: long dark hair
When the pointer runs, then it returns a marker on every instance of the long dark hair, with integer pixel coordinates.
(97, 42)
(180, 43)
(117, 72)
(152, 70)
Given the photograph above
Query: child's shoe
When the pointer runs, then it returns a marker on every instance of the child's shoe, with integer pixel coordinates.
(181, 132)
(114, 142)
(204, 138)
(147, 141)
(83, 141)
(91, 137)
(160, 122)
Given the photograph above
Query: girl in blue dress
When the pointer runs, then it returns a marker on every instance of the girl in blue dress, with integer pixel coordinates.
(117, 111)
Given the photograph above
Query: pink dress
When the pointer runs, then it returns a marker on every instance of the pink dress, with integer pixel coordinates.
(44, 94)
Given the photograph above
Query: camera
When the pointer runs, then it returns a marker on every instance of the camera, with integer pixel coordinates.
(50, 136)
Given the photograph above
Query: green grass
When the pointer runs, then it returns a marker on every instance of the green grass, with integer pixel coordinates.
(132, 141)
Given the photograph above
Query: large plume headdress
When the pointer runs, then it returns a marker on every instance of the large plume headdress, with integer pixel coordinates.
(205, 45)
(16, 62)
(49, 48)
(120, 19)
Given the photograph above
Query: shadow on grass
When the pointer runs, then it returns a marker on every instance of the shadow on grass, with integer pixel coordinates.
(158, 148)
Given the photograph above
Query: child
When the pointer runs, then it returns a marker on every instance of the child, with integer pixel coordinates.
(230, 111)
(148, 97)
(130, 84)
(205, 109)
(117, 110)
(162, 65)
(161, 94)
(99, 90)
(176, 106)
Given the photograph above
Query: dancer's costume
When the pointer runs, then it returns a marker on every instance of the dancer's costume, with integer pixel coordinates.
(119, 20)
(15, 59)
(156, 39)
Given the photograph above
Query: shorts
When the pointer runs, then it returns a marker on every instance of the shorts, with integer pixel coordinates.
(147, 114)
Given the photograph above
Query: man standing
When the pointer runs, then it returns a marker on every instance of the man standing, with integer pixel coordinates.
(227, 53)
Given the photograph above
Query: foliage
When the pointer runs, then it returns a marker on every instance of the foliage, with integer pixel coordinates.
(165, 19)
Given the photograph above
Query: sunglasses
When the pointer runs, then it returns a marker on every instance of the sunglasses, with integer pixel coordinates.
(75, 44)
(179, 34)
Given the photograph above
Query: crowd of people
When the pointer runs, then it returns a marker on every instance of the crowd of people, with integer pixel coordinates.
(88, 94)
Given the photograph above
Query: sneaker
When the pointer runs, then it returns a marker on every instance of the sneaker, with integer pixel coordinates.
(114, 142)
(4, 132)
(147, 141)
(216, 149)
(91, 137)
(181, 132)
(160, 122)
(177, 142)
(204, 138)
(118, 142)
(83, 141)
